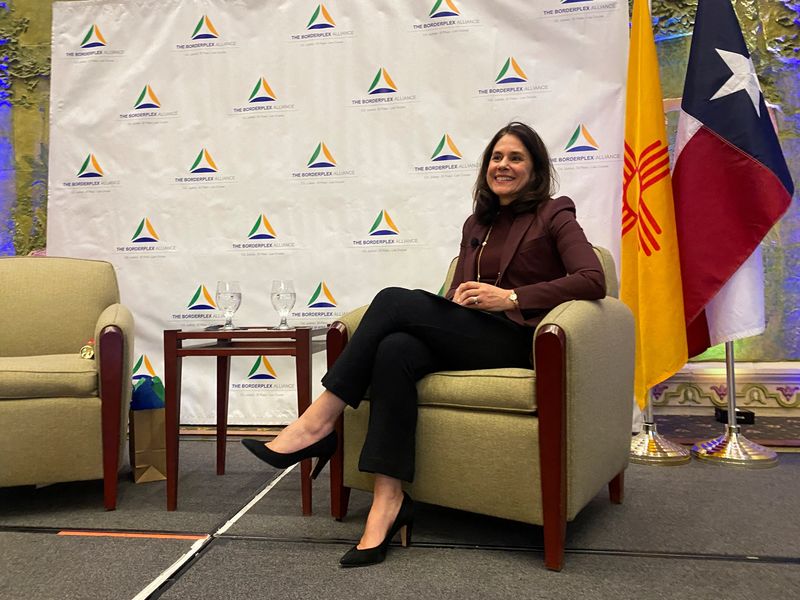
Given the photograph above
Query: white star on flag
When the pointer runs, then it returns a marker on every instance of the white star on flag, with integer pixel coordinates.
(743, 77)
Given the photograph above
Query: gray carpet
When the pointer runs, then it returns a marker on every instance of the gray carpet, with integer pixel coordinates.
(252, 569)
(698, 507)
(204, 499)
(709, 517)
(44, 566)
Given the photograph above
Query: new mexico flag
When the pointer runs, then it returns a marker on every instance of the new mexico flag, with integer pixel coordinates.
(651, 278)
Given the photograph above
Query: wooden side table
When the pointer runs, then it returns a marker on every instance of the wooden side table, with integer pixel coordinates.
(250, 341)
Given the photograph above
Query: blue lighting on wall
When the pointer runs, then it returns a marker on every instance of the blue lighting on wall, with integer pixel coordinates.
(7, 181)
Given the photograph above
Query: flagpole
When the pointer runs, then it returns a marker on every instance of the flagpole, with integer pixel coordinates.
(732, 448)
(651, 448)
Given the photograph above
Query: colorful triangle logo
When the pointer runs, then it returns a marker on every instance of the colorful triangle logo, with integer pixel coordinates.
(262, 230)
(511, 72)
(145, 232)
(262, 92)
(202, 300)
(382, 84)
(261, 369)
(581, 141)
(147, 99)
(90, 168)
(448, 10)
(446, 150)
(321, 158)
(143, 368)
(383, 225)
(322, 297)
(321, 19)
(93, 38)
(203, 163)
(204, 30)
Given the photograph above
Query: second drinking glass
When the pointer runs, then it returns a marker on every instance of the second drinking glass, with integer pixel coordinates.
(283, 298)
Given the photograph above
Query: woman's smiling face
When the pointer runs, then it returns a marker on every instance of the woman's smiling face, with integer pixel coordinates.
(510, 168)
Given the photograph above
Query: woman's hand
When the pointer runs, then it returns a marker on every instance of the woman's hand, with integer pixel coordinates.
(483, 296)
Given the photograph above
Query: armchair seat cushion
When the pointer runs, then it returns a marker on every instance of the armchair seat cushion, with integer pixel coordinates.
(504, 390)
(47, 376)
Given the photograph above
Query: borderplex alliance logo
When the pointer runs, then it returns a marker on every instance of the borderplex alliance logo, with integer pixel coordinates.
(582, 147)
(445, 17)
(320, 308)
(202, 300)
(262, 377)
(91, 176)
(322, 297)
(262, 102)
(204, 172)
(147, 108)
(322, 164)
(578, 10)
(512, 83)
(261, 369)
(145, 242)
(90, 168)
(93, 38)
(262, 239)
(205, 36)
(94, 44)
(200, 309)
(384, 234)
(382, 90)
(145, 232)
(446, 160)
(321, 28)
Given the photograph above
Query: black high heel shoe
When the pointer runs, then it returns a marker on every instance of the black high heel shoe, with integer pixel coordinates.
(404, 522)
(322, 450)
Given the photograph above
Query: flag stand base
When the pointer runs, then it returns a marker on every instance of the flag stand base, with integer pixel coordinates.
(651, 448)
(734, 450)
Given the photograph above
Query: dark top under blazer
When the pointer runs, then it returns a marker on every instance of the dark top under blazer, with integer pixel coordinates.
(546, 259)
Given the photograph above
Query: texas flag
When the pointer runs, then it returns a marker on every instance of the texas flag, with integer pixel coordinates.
(730, 183)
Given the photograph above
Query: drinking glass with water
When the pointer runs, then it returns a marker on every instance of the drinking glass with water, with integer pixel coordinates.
(229, 298)
(283, 298)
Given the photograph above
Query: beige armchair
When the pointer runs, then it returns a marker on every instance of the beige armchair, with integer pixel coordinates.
(62, 417)
(548, 439)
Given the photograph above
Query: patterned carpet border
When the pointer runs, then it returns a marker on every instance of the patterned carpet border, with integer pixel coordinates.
(767, 431)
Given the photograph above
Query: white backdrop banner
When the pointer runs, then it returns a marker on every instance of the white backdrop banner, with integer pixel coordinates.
(333, 144)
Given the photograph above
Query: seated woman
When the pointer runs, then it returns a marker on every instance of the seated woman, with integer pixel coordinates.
(522, 253)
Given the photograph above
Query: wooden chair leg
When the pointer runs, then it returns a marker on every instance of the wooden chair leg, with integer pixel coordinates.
(110, 348)
(616, 488)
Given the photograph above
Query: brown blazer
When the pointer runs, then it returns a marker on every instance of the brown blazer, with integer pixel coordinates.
(546, 259)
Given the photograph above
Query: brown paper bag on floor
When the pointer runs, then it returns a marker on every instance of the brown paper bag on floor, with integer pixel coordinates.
(147, 445)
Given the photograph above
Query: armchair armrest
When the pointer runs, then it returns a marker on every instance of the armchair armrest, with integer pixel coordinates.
(598, 366)
(341, 331)
(114, 349)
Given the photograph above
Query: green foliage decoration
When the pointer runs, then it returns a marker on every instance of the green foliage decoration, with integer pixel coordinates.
(28, 64)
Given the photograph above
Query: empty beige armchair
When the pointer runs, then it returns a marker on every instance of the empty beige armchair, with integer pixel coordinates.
(531, 445)
(62, 417)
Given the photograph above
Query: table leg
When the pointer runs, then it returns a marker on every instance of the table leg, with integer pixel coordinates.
(303, 368)
(172, 403)
(223, 383)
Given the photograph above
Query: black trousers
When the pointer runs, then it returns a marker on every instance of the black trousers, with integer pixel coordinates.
(403, 336)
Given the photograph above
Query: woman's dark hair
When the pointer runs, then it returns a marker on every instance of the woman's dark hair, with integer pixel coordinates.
(540, 187)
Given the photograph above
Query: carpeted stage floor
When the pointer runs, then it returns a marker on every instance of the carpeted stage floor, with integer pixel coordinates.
(699, 531)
